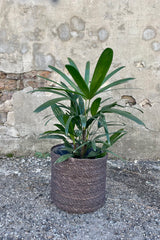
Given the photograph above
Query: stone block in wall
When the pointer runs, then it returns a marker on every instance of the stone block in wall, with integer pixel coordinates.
(5, 95)
(13, 76)
(2, 107)
(8, 81)
(45, 74)
(31, 79)
(3, 117)
(20, 85)
(8, 105)
(12, 132)
(34, 74)
(3, 75)
(1, 84)
(10, 85)
(31, 83)
(10, 119)
(18, 81)
(9, 131)
(35, 83)
(29, 75)
(25, 119)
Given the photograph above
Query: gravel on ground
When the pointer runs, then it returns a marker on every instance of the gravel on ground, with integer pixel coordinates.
(131, 212)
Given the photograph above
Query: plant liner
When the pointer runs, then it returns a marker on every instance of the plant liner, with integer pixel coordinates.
(78, 185)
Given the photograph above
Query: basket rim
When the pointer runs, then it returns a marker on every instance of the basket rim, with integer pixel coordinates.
(80, 159)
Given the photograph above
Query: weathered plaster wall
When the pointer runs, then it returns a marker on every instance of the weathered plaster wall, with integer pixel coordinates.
(36, 33)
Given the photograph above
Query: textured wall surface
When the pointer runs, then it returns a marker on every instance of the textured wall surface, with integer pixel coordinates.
(36, 33)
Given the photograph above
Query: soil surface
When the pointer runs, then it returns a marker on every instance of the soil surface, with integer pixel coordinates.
(131, 212)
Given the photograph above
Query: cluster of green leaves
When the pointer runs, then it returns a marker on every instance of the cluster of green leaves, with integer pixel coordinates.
(80, 122)
(9, 155)
(41, 155)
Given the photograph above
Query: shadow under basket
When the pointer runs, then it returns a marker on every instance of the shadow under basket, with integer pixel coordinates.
(78, 185)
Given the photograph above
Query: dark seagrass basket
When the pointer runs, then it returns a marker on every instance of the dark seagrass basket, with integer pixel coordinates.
(78, 185)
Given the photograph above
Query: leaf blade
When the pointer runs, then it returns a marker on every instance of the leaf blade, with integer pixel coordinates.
(101, 70)
(78, 79)
(112, 73)
(118, 82)
(64, 76)
(87, 73)
(95, 105)
(63, 158)
(126, 115)
(72, 63)
(49, 104)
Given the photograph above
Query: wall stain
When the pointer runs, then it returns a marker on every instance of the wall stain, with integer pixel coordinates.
(129, 100)
(145, 102)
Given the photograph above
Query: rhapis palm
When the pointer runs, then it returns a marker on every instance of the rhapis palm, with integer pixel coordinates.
(79, 122)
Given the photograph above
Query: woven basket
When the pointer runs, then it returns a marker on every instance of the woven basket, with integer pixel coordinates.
(78, 185)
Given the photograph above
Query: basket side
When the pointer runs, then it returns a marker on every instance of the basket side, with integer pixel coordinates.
(78, 185)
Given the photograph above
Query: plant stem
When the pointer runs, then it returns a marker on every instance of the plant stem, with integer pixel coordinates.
(87, 119)
(84, 131)
(83, 149)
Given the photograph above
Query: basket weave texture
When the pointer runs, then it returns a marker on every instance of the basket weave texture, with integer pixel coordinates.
(78, 185)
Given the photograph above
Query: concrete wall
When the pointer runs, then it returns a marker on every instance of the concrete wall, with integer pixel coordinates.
(35, 33)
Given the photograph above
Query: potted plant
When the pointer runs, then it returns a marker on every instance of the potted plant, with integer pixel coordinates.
(78, 174)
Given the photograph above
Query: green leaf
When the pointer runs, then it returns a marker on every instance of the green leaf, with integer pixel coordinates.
(49, 104)
(64, 76)
(117, 135)
(97, 154)
(92, 154)
(118, 82)
(126, 115)
(68, 146)
(48, 121)
(58, 113)
(50, 90)
(112, 73)
(68, 124)
(78, 123)
(99, 125)
(101, 70)
(109, 106)
(66, 90)
(63, 158)
(106, 99)
(99, 136)
(47, 116)
(90, 121)
(48, 132)
(81, 105)
(79, 80)
(116, 155)
(103, 122)
(72, 63)
(53, 137)
(74, 107)
(93, 144)
(112, 123)
(80, 146)
(50, 80)
(83, 121)
(60, 127)
(87, 73)
(70, 93)
(95, 105)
